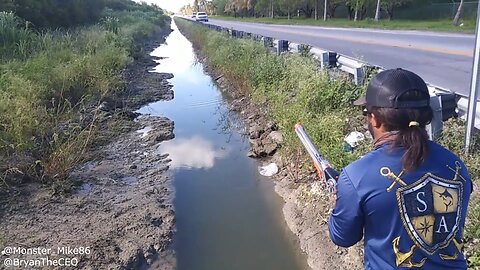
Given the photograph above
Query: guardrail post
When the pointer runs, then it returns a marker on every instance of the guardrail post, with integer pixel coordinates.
(449, 106)
(444, 107)
(282, 46)
(359, 76)
(328, 59)
(435, 127)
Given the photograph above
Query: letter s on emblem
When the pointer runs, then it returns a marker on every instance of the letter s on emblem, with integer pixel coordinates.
(422, 202)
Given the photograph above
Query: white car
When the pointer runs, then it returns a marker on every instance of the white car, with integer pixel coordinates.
(201, 16)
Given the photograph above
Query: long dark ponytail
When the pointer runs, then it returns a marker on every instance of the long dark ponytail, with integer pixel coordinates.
(411, 133)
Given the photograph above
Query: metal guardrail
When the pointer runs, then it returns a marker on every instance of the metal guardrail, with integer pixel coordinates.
(356, 68)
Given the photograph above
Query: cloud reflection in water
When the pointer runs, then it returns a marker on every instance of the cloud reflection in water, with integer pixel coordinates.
(192, 153)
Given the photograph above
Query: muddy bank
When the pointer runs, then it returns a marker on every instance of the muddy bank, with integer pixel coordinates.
(121, 207)
(306, 202)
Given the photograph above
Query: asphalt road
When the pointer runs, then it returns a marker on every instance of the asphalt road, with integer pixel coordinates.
(442, 59)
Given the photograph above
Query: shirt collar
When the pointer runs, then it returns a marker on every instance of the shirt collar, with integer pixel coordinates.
(386, 138)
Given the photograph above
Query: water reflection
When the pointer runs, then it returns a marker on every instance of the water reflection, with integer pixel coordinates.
(182, 51)
(227, 218)
(192, 153)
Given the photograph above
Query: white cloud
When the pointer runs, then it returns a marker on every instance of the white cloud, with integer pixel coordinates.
(170, 5)
(195, 152)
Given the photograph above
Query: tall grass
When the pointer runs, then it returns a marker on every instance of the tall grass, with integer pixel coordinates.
(294, 89)
(47, 77)
(14, 39)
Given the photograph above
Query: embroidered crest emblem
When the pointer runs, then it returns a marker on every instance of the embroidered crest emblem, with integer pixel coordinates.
(430, 210)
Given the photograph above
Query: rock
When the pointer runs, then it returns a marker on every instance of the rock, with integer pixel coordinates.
(271, 126)
(133, 167)
(165, 76)
(255, 131)
(164, 135)
(261, 153)
(129, 114)
(221, 81)
(270, 148)
(255, 143)
(276, 136)
(257, 153)
(277, 158)
(251, 154)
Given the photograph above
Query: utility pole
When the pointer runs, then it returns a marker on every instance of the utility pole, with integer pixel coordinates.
(325, 10)
(474, 85)
(377, 12)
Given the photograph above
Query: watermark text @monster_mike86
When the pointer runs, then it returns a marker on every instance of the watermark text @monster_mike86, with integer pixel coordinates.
(33, 257)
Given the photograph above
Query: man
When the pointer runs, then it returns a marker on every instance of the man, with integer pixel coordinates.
(408, 197)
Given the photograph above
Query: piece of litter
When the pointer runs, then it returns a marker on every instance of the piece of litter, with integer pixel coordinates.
(354, 138)
(268, 170)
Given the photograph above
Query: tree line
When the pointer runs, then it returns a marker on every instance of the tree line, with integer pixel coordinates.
(318, 9)
(65, 13)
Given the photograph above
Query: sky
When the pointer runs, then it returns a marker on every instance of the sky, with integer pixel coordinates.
(170, 5)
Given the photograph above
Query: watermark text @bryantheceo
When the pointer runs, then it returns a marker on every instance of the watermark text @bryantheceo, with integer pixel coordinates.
(21, 257)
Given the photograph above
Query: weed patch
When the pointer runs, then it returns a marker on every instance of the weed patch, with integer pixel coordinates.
(52, 81)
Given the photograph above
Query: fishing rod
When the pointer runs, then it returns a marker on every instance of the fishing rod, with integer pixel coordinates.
(324, 170)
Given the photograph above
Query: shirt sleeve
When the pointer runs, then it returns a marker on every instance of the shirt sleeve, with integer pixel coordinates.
(346, 222)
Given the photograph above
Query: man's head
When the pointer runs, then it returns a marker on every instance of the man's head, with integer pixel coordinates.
(393, 88)
(398, 100)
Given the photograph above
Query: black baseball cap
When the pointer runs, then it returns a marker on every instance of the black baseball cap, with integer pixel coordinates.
(387, 89)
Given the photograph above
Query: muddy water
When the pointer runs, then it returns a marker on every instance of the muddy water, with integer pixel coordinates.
(227, 215)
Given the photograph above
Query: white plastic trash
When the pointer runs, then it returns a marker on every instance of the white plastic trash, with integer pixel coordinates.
(354, 138)
(268, 170)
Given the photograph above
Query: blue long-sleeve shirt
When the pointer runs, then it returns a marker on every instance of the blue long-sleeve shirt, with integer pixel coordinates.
(413, 221)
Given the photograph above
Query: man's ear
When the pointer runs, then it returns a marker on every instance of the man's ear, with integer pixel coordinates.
(374, 121)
